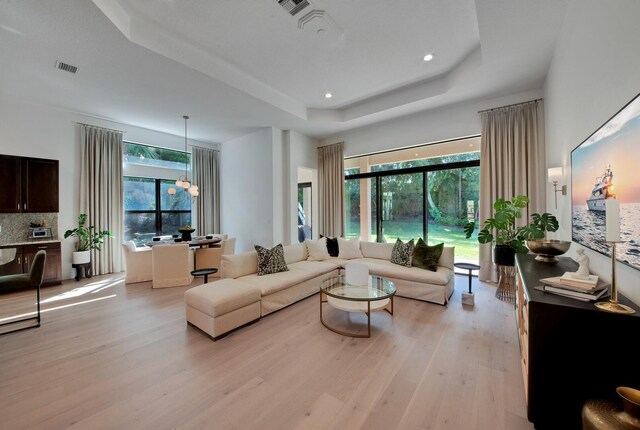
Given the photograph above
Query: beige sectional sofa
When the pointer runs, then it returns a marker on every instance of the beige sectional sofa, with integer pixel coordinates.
(243, 297)
(304, 276)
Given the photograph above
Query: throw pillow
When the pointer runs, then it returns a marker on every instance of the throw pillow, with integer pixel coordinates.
(271, 260)
(401, 253)
(332, 245)
(349, 248)
(317, 249)
(425, 256)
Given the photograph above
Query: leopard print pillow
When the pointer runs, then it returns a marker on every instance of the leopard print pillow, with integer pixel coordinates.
(271, 260)
(401, 253)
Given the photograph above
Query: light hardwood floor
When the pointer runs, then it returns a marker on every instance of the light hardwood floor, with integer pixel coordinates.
(122, 357)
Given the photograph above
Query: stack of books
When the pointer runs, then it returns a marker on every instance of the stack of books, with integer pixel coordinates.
(569, 285)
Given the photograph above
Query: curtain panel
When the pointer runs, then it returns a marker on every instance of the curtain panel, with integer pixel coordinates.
(331, 190)
(206, 176)
(513, 163)
(101, 191)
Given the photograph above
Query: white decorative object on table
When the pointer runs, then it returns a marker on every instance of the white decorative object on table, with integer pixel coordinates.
(356, 274)
(583, 261)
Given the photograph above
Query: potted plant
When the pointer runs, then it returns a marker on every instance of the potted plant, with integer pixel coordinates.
(501, 230)
(87, 239)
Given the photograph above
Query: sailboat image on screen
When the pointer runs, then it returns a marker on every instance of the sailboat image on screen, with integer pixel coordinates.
(602, 190)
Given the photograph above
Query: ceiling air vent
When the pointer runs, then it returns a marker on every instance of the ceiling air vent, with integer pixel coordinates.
(66, 67)
(293, 6)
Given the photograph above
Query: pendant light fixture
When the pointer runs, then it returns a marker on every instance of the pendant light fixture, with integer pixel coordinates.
(183, 181)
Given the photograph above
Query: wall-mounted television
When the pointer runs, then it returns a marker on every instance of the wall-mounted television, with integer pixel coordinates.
(606, 165)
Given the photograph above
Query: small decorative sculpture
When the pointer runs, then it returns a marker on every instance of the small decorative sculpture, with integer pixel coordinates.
(583, 260)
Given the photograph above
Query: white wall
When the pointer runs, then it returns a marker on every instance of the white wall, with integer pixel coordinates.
(594, 73)
(34, 130)
(259, 186)
(302, 153)
(459, 120)
(246, 189)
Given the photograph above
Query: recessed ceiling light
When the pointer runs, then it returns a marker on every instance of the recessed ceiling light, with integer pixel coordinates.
(328, 95)
(428, 57)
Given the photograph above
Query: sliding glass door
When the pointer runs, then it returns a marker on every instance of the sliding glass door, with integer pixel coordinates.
(428, 201)
(402, 204)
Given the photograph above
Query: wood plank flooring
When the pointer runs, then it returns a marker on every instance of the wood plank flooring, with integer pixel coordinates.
(110, 356)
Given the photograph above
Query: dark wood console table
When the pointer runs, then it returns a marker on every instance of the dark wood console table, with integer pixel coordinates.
(570, 350)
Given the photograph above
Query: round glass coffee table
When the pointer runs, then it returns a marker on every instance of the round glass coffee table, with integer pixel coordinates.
(376, 295)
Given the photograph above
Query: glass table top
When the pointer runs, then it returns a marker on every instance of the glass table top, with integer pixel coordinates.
(377, 288)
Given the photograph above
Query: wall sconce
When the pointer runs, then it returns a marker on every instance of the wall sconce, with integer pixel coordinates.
(554, 174)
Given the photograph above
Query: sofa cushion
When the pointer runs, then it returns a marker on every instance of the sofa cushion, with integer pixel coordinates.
(376, 250)
(388, 269)
(317, 249)
(425, 256)
(447, 257)
(271, 260)
(237, 265)
(349, 248)
(401, 253)
(275, 282)
(221, 297)
(315, 267)
(293, 253)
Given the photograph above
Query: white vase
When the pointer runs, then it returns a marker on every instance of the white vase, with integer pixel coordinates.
(81, 257)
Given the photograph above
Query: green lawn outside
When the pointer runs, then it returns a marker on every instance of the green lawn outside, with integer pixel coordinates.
(450, 235)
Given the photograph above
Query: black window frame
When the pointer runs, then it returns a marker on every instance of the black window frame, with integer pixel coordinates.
(158, 210)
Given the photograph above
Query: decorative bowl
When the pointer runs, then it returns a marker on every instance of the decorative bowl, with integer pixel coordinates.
(186, 233)
(548, 249)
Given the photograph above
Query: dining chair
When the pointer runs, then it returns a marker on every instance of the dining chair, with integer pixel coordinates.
(172, 265)
(211, 257)
(32, 279)
(138, 263)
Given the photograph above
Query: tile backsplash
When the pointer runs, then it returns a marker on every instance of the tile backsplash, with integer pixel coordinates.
(15, 227)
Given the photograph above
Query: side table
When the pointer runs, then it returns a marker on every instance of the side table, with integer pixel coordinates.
(205, 272)
(82, 269)
(467, 298)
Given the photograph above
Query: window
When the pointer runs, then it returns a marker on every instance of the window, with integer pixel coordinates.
(406, 196)
(149, 210)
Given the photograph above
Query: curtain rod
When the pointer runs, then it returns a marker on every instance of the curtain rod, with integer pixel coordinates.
(513, 104)
(329, 144)
(102, 128)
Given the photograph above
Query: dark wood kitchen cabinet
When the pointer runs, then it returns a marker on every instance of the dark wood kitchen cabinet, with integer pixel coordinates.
(24, 257)
(10, 198)
(31, 184)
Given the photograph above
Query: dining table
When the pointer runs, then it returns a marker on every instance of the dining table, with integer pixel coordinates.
(195, 243)
(198, 242)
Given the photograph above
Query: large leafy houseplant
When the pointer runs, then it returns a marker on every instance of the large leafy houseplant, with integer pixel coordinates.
(501, 229)
(88, 237)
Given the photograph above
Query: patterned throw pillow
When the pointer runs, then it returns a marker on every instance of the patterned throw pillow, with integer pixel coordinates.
(401, 253)
(425, 256)
(271, 260)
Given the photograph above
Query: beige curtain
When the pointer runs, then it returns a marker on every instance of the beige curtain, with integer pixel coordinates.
(101, 192)
(206, 176)
(331, 190)
(513, 162)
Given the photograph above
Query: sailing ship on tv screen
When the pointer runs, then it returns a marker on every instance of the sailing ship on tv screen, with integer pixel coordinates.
(607, 165)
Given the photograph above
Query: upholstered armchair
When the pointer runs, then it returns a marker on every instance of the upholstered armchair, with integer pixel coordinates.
(138, 263)
(211, 257)
(172, 265)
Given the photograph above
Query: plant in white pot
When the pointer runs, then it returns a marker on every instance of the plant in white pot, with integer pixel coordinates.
(87, 239)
